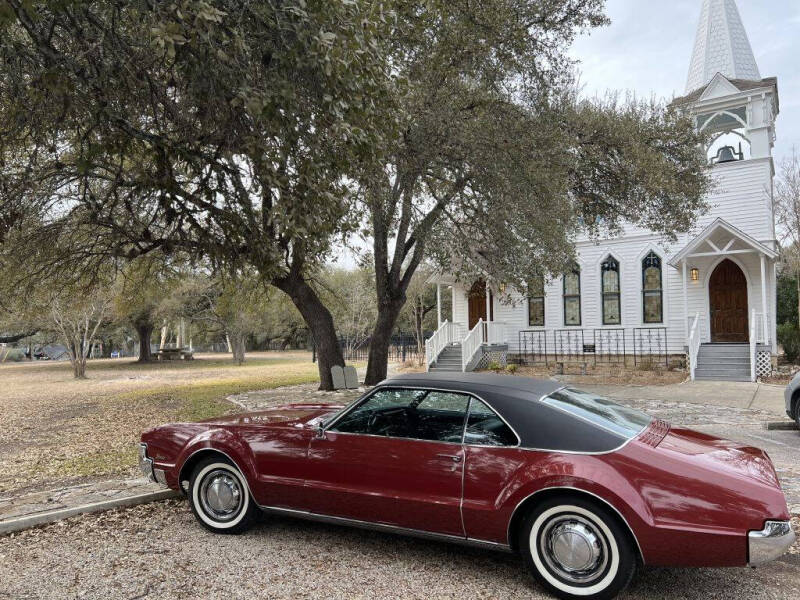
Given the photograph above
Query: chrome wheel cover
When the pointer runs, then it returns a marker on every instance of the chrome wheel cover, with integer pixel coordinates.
(574, 549)
(221, 495)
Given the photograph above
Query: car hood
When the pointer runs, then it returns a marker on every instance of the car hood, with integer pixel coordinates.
(287, 415)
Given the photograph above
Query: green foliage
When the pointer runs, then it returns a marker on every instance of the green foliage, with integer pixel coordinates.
(787, 297)
(494, 366)
(11, 355)
(789, 338)
(512, 368)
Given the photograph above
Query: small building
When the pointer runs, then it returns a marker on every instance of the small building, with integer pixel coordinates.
(709, 297)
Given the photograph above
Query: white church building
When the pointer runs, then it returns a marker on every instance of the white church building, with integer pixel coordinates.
(709, 296)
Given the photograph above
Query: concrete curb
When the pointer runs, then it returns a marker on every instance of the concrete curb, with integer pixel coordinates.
(51, 516)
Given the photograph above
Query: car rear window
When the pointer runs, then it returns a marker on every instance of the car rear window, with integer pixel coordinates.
(603, 412)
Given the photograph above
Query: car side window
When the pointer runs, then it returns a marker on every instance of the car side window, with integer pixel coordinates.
(486, 428)
(412, 414)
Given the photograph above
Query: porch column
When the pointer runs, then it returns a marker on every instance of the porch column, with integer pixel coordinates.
(685, 302)
(765, 319)
(438, 305)
(488, 304)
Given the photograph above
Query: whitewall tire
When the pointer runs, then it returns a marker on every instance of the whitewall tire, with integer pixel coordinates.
(577, 549)
(220, 498)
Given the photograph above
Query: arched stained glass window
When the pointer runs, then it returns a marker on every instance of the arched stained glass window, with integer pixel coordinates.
(609, 273)
(536, 302)
(652, 289)
(572, 296)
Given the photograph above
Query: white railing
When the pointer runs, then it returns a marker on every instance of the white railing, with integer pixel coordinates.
(495, 333)
(472, 343)
(694, 344)
(447, 334)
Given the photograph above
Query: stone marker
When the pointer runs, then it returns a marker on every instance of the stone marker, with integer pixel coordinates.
(350, 378)
(337, 374)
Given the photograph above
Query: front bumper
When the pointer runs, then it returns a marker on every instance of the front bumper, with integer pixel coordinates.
(770, 543)
(147, 468)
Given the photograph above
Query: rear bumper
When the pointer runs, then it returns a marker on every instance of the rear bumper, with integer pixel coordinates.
(769, 543)
(147, 469)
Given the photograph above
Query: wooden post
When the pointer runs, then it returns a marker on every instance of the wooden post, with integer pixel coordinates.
(685, 301)
(764, 319)
(438, 305)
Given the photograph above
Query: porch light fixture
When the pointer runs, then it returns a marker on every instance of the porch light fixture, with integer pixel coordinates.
(695, 274)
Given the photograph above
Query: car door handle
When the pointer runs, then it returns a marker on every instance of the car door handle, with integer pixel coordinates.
(453, 457)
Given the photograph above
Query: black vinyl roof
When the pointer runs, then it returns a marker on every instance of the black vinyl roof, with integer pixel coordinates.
(473, 382)
(539, 425)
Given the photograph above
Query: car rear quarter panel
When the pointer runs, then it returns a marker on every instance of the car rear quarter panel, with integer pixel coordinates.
(680, 515)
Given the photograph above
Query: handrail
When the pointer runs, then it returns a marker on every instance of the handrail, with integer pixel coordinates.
(495, 332)
(472, 343)
(446, 335)
(753, 343)
(694, 345)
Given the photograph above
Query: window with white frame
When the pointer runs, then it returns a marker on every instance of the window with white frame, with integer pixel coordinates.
(572, 296)
(609, 274)
(536, 302)
(652, 289)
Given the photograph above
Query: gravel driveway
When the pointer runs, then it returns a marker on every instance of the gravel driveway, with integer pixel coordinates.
(158, 551)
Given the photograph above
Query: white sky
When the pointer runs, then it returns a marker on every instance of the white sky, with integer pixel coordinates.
(648, 46)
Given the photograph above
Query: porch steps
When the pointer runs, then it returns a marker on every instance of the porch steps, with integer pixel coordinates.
(449, 359)
(723, 362)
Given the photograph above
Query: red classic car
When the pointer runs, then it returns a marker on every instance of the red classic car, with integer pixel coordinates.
(583, 489)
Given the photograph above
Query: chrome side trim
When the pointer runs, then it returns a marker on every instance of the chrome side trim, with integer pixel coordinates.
(385, 528)
(574, 489)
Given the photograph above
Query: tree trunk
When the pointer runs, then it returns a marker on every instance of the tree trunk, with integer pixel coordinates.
(79, 368)
(238, 341)
(145, 332)
(319, 321)
(379, 342)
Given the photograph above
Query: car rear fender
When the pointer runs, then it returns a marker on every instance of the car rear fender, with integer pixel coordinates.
(624, 502)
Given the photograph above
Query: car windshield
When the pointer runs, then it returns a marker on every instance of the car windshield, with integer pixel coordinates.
(603, 412)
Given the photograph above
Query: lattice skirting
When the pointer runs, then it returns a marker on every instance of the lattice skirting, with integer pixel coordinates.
(763, 363)
(498, 356)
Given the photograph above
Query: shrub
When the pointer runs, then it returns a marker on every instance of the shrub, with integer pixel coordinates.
(512, 368)
(494, 366)
(11, 355)
(789, 338)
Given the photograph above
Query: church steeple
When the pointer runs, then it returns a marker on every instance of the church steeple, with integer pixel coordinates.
(721, 46)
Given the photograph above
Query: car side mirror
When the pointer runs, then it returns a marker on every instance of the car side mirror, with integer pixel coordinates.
(320, 432)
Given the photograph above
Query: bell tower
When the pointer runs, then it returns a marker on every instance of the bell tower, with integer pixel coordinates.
(727, 95)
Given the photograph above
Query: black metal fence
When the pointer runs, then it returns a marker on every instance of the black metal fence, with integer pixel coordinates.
(402, 347)
(596, 346)
(650, 343)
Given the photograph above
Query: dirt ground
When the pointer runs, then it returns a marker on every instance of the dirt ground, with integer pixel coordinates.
(56, 429)
(605, 375)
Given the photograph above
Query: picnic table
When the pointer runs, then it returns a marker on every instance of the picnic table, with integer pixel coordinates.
(175, 354)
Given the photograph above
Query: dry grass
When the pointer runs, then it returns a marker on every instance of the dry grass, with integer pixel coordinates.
(56, 429)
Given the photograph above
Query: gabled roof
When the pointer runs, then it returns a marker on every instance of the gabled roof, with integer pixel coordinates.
(721, 46)
(741, 84)
(706, 234)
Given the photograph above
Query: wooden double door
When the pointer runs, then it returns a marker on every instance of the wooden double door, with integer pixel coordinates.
(727, 295)
(476, 303)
